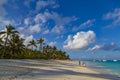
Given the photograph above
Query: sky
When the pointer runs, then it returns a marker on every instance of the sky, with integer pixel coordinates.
(85, 29)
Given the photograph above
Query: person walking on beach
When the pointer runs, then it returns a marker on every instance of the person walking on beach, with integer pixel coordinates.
(81, 63)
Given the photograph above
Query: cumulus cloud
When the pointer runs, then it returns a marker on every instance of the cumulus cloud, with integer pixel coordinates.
(114, 16)
(80, 40)
(46, 21)
(86, 24)
(106, 47)
(52, 43)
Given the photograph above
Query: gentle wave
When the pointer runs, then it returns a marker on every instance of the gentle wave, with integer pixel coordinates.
(110, 65)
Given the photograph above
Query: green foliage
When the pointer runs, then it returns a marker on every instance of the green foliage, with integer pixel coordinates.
(12, 47)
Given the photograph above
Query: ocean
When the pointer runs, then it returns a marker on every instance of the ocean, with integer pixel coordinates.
(110, 65)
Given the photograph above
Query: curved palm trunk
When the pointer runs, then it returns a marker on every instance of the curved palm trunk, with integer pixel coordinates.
(4, 47)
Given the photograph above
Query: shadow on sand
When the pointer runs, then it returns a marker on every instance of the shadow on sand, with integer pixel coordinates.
(18, 68)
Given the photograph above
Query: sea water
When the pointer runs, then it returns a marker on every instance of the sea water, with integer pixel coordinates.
(111, 65)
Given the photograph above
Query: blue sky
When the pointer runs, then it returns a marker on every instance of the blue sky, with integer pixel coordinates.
(85, 29)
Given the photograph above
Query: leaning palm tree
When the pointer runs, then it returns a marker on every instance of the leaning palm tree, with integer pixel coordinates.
(32, 44)
(40, 42)
(7, 32)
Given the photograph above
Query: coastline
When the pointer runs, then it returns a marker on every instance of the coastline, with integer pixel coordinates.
(100, 68)
(26, 69)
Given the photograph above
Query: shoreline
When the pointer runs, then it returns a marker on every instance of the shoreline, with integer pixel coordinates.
(27, 69)
(101, 69)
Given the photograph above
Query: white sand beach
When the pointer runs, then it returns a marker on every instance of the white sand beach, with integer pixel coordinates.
(49, 70)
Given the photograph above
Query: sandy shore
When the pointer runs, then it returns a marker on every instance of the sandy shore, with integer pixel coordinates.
(49, 70)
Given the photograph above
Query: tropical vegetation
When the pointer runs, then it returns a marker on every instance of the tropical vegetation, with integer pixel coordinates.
(12, 47)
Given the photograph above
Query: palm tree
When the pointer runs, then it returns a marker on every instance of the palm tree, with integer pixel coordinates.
(16, 44)
(40, 42)
(9, 30)
(32, 43)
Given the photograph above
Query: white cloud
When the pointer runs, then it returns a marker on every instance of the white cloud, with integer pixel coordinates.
(58, 29)
(52, 43)
(96, 47)
(86, 24)
(42, 4)
(35, 28)
(106, 47)
(114, 16)
(46, 31)
(30, 29)
(59, 37)
(3, 36)
(2, 9)
(26, 21)
(27, 39)
(20, 28)
(27, 3)
(40, 18)
(4, 22)
(60, 22)
(80, 40)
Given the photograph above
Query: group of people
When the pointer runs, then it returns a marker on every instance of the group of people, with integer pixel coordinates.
(82, 64)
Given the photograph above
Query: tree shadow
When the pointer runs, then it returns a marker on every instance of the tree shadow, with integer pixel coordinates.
(18, 68)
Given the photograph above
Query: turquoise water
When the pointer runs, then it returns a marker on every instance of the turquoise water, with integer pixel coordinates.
(113, 66)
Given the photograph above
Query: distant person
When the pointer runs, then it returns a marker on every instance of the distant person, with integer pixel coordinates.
(82, 64)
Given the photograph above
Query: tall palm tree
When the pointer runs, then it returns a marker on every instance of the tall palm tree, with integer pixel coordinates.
(40, 42)
(32, 43)
(16, 44)
(8, 31)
